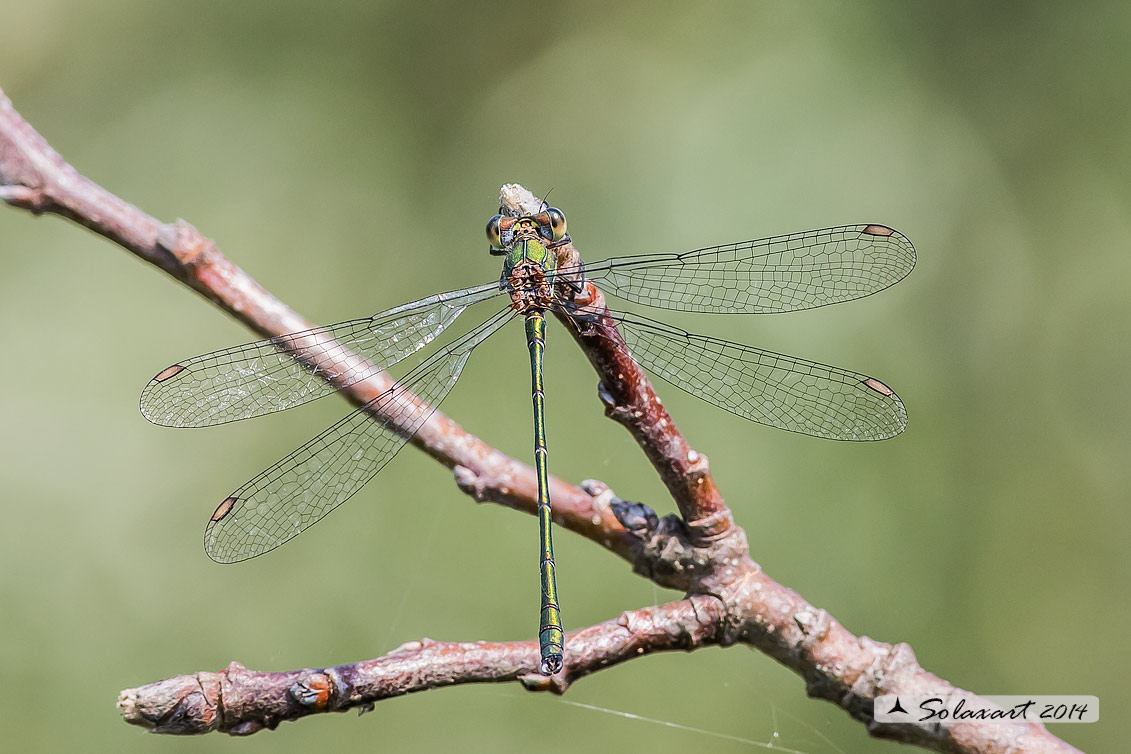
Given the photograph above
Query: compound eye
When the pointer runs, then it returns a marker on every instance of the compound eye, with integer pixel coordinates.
(494, 232)
(557, 222)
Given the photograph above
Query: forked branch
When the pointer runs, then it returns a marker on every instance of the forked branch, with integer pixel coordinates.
(702, 552)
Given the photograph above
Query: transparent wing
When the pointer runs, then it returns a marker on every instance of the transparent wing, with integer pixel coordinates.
(766, 387)
(280, 373)
(779, 274)
(295, 493)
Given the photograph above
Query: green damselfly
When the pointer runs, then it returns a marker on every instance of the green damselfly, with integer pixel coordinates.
(541, 274)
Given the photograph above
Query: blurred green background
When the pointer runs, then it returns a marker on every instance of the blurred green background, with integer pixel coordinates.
(348, 154)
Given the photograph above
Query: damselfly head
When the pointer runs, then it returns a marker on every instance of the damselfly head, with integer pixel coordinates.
(503, 231)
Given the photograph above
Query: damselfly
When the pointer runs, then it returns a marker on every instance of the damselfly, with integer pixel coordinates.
(541, 273)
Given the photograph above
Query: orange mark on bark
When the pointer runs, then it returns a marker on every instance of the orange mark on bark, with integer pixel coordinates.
(314, 691)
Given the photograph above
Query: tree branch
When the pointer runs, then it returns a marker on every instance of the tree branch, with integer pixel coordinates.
(730, 600)
(239, 701)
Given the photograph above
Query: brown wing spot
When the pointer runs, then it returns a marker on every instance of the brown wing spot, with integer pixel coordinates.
(878, 230)
(224, 508)
(878, 386)
(168, 372)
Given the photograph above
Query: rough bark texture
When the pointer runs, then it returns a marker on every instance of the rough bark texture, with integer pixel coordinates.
(702, 551)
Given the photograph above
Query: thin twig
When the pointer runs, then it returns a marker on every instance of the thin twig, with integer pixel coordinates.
(239, 701)
(730, 600)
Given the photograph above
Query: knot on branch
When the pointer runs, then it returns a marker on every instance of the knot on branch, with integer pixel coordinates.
(894, 669)
(187, 704)
(672, 554)
(23, 155)
(34, 200)
(314, 691)
(187, 244)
